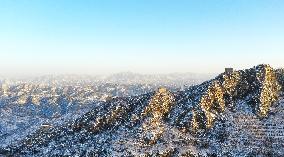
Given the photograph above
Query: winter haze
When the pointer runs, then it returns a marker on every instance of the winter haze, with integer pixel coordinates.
(147, 78)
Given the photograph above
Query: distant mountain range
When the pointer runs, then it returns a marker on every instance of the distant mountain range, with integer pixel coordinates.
(238, 113)
(172, 79)
(126, 78)
(27, 103)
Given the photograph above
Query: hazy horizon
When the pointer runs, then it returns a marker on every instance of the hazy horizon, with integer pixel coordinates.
(32, 72)
(35, 75)
(105, 37)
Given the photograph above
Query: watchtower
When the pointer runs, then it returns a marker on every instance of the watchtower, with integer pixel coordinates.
(229, 70)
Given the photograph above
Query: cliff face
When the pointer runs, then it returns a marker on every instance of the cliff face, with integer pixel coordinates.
(269, 90)
(280, 77)
(159, 106)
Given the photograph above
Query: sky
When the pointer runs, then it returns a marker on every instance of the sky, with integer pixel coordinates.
(142, 36)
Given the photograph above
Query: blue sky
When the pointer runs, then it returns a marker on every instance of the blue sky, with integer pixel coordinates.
(145, 36)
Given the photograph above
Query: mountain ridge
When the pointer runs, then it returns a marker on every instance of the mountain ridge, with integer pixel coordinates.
(183, 120)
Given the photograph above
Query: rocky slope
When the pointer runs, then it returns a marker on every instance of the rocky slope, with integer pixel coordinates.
(25, 105)
(234, 114)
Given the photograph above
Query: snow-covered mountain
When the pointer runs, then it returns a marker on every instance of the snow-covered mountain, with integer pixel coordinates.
(26, 103)
(235, 114)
